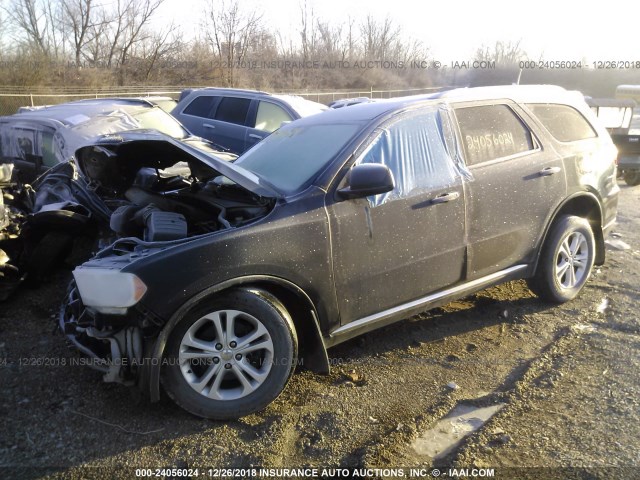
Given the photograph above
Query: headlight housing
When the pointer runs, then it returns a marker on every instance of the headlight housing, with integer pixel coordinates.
(108, 290)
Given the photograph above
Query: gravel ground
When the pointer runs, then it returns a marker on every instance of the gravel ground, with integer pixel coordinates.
(568, 376)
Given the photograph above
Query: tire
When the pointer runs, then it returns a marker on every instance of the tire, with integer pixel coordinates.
(632, 177)
(221, 377)
(566, 260)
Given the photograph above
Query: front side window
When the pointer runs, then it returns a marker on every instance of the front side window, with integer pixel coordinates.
(233, 110)
(270, 117)
(414, 150)
(490, 132)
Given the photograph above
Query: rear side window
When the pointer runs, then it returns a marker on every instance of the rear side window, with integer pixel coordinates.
(492, 131)
(201, 106)
(233, 110)
(565, 123)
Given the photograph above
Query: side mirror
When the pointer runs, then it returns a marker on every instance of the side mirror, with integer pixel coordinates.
(367, 179)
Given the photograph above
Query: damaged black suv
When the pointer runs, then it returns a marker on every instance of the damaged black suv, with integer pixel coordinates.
(335, 225)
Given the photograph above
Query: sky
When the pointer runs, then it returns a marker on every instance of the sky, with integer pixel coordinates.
(564, 30)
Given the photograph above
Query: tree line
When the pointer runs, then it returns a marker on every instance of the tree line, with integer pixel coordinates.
(93, 43)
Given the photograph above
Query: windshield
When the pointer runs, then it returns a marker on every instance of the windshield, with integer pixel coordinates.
(291, 157)
(157, 119)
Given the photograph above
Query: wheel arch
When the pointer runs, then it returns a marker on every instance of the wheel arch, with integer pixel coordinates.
(581, 204)
(312, 353)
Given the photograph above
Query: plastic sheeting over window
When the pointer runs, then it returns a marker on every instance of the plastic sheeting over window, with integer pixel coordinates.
(419, 151)
(19, 142)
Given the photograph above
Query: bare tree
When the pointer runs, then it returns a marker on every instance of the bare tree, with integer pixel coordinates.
(379, 37)
(3, 32)
(502, 53)
(158, 46)
(126, 27)
(30, 19)
(308, 35)
(230, 30)
(329, 39)
(137, 16)
(98, 47)
(350, 46)
(80, 16)
(56, 31)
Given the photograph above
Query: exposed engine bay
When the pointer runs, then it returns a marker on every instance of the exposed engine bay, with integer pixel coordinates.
(135, 184)
(158, 192)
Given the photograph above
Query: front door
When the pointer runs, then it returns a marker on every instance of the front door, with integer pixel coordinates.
(397, 247)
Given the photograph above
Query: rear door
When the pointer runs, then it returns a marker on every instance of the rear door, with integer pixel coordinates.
(198, 113)
(221, 119)
(228, 126)
(397, 247)
(517, 183)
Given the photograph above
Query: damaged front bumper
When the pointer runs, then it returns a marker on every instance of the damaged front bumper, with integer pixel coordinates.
(111, 344)
(11, 222)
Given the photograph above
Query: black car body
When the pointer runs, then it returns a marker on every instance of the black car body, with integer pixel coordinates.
(352, 220)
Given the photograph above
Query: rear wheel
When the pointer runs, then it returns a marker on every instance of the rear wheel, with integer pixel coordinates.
(231, 356)
(632, 177)
(566, 260)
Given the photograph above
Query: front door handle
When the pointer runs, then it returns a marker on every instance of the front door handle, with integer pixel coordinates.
(545, 172)
(445, 197)
(208, 125)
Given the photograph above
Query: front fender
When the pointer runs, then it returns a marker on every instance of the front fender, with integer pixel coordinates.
(149, 379)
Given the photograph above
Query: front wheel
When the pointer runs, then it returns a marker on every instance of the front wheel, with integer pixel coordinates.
(231, 356)
(566, 260)
(632, 177)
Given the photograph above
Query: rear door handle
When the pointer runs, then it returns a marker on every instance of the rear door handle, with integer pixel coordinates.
(445, 197)
(208, 125)
(545, 172)
(255, 136)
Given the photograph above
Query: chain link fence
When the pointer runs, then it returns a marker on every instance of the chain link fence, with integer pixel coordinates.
(11, 99)
(328, 97)
(11, 102)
